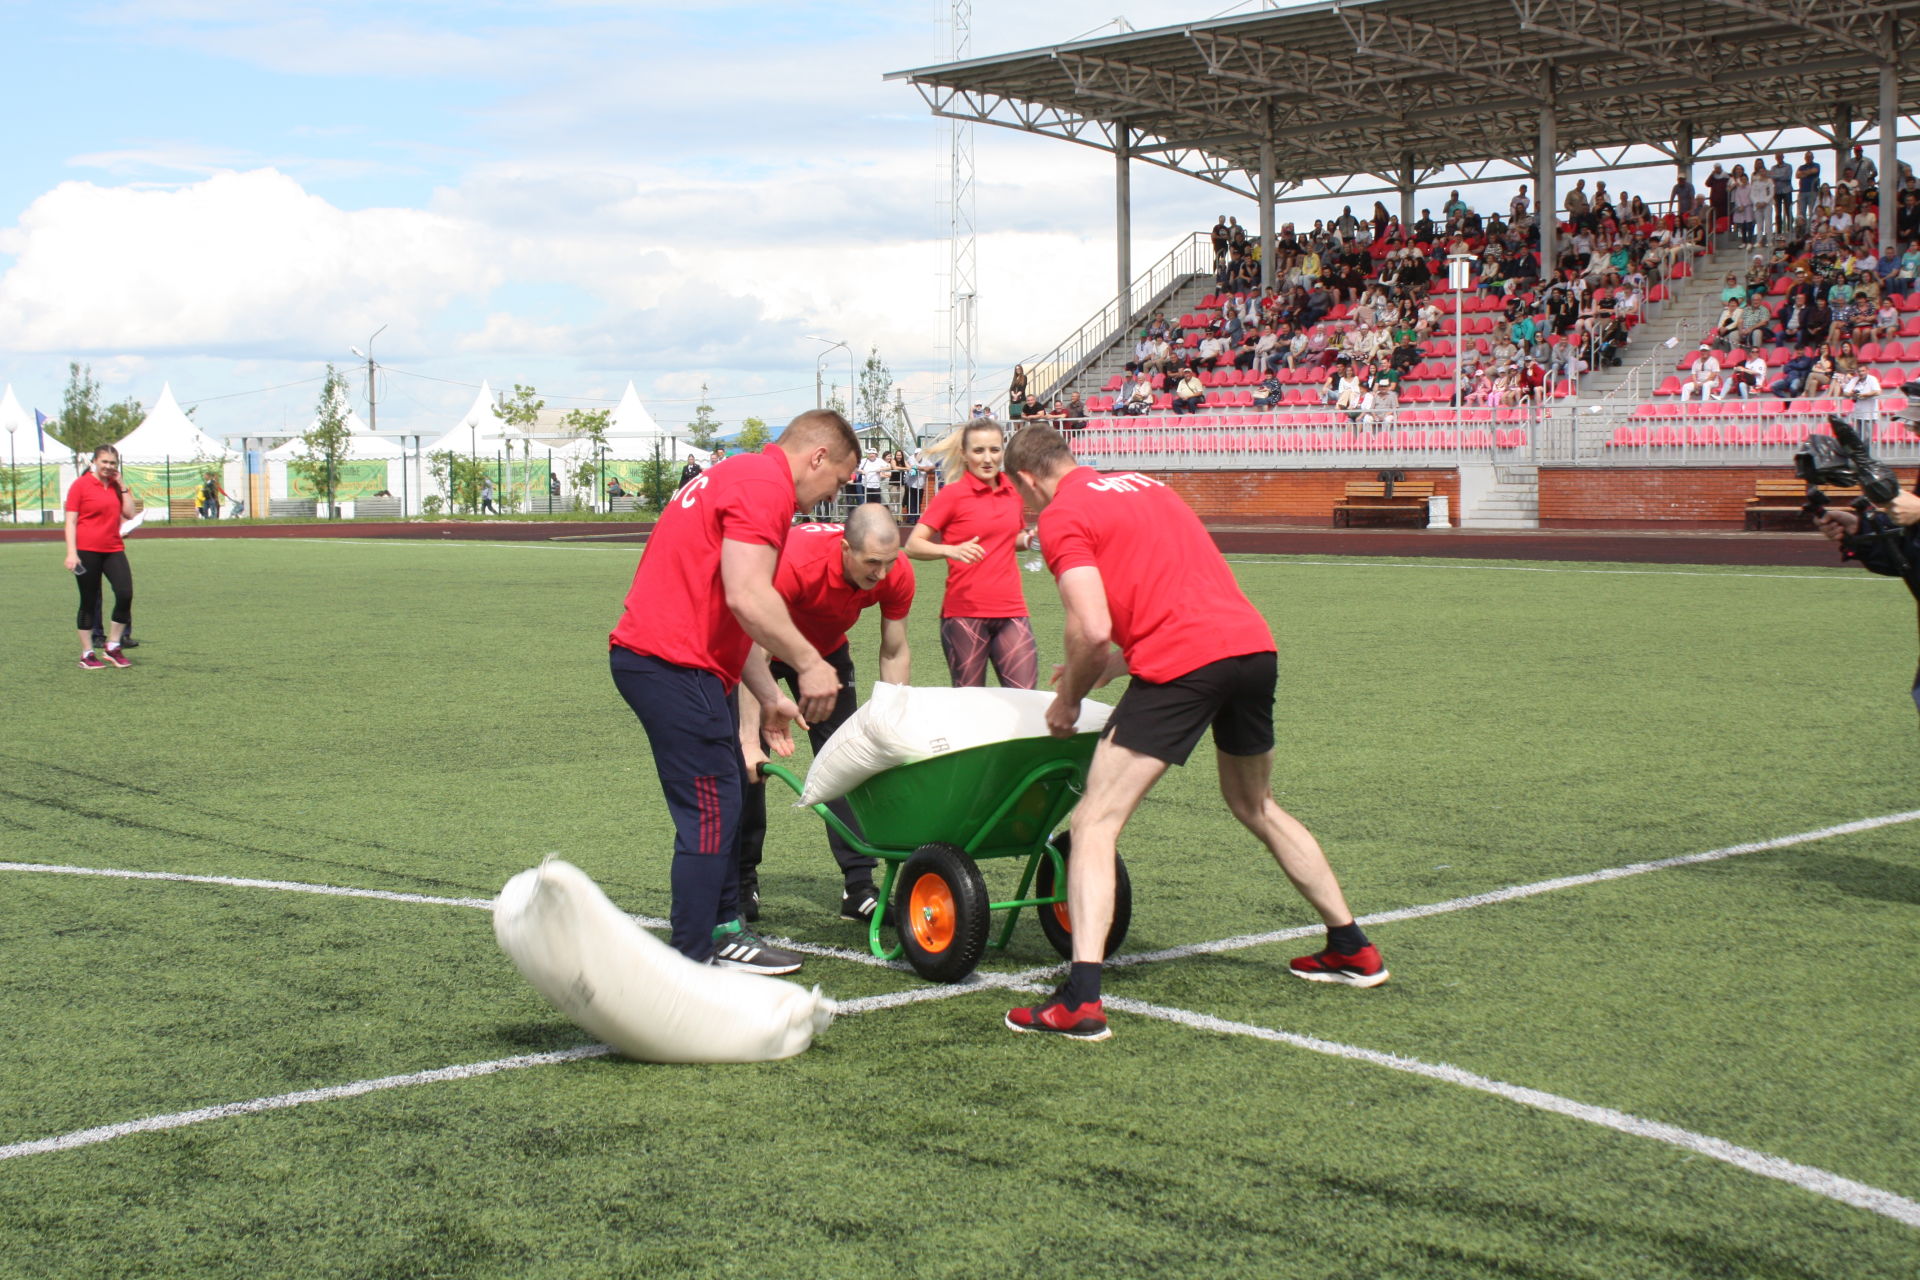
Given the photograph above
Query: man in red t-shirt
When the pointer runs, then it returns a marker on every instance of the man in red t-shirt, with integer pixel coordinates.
(702, 600)
(828, 576)
(1137, 569)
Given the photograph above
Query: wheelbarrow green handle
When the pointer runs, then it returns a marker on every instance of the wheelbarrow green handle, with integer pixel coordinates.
(769, 769)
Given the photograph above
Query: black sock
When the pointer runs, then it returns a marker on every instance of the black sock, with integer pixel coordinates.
(1083, 983)
(1346, 938)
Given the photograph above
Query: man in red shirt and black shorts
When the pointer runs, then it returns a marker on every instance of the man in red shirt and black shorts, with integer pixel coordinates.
(1137, 569)
(828, 576)
(701, 601)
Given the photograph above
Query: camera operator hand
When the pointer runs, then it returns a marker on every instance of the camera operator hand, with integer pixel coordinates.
(1838, 524)
(1905, 509)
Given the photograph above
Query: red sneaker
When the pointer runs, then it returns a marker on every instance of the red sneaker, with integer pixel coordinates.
(1364, 968)
(90, 662)
(116, 657)
(1081, 1022)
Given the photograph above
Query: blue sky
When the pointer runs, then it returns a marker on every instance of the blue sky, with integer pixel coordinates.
(224, 196)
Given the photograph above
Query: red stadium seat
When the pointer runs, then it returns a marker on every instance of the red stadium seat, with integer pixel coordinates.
(1669, 387)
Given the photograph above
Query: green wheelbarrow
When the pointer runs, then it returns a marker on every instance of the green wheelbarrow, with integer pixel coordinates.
(933, 822)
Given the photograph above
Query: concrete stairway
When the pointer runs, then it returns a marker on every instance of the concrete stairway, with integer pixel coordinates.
(1112, 359)
(1499, 496)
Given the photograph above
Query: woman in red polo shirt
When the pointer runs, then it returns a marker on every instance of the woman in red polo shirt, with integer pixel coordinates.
(980, 522)
(96, 504)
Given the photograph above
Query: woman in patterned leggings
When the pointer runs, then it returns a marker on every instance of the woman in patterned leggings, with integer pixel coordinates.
(980, 523)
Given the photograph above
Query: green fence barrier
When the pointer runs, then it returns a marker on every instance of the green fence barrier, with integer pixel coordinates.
(352, 479)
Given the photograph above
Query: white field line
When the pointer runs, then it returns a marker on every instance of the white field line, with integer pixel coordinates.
(1375, 562)
(1515, 892)
(465, 1071)
(1819, 1181)
(180, 1119)
(284, 886)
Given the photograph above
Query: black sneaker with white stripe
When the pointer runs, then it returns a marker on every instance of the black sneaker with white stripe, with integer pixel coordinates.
(860, 901)
(737, 947)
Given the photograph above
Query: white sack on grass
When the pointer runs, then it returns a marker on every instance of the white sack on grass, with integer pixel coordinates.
(620, 983)
(901, 724)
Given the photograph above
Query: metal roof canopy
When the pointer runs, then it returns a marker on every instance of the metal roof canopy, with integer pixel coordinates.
(1264, 104)
(1405, 89)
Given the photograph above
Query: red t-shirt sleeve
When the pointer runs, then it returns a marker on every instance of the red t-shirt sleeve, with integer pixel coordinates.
(1064, 540)
(73, 496)
(896, 590)
(938, 512)
(756, 512)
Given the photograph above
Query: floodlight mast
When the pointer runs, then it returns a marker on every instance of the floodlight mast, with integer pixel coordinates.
(373, 410)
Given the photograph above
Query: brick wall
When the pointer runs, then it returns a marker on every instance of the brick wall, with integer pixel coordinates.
(1649, 497)
(1285, 496)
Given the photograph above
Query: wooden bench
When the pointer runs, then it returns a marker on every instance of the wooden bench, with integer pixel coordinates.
(1369, 501)
(1778, 503)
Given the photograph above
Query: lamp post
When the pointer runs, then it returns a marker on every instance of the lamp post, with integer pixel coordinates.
(13, 473)
(1459, 276)
(831, 344)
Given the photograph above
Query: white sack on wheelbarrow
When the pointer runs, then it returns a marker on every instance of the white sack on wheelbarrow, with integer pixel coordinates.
(616, 981)
(901, 724)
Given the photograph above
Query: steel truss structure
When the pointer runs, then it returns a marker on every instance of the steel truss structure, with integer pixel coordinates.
(1401, 90)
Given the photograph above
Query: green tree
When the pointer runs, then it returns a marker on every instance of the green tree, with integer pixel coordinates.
(458, 476)
(325, 445)
(704, 431)
(589, 425)
(84, 424)
(876, 393)
(753, 436)
(521, 411)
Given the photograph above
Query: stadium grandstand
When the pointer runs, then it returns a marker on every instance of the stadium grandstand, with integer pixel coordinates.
(1678, 340)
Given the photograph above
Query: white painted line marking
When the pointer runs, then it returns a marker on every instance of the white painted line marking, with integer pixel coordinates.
(180, 1119)
(1376, 562)
(1525, 890)
(284, 886)
(1819, 1181)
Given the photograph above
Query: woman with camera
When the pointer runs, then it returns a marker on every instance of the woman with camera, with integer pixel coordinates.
(96, 504)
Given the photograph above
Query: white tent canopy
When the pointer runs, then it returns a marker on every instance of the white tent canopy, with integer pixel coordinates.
(167, 433)
(20, 446)
(478, 431)
(360, 445)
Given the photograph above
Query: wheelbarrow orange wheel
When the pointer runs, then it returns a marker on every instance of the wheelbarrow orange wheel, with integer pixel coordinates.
(1054, 921)
(940, 907)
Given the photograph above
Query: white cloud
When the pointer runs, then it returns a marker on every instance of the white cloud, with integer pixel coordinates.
(248, 263)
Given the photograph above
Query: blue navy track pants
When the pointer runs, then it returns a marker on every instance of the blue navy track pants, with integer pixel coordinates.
(694, 729)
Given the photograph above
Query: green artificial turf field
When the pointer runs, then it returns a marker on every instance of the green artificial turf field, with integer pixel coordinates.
(428, 719)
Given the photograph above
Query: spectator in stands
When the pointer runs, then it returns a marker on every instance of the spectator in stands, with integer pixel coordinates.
(1135, 396)
(1747, 377)
(1886, 321)
(1846, 361)
(1158, 358)
(1906, 269)
(1781, 174)
(1270, 394)
(1076, 412)
(1189, 392)
(1864, 387)
(1820, 375)
(1017, 393)
(1816, 323)
(1718, 185)
(1704, 381)
(1220, 234)
(1793, 374)
(918, 468)
(1760, 201)
(1860, 169)
(1807, 180)
(1752, 321)
(1740, 204)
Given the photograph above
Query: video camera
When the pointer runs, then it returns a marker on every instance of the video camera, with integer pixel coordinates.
(1843, 459)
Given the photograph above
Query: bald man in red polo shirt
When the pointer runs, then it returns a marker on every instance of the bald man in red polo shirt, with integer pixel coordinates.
(828, 576)
(1137, 569)
(701, 605)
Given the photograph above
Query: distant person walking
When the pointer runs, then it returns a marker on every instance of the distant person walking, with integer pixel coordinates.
(486, 496)
(980, 521)
(96, 504)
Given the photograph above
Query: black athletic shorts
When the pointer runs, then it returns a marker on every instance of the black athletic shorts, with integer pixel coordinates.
(1165, 721)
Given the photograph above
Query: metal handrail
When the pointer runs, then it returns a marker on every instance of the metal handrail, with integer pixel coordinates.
(1193, 255)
